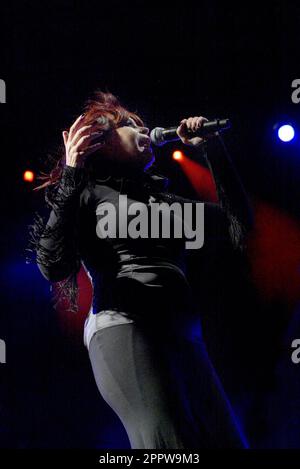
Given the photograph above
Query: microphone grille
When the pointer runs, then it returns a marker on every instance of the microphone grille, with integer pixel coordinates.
(156, 136)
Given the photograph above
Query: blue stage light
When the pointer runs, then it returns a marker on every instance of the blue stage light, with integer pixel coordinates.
(286, 133)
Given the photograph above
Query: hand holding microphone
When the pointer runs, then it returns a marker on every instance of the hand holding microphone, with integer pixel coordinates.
(192, 131)
(188, 127)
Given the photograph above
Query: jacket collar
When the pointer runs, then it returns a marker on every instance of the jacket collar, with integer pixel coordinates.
(149, 180)
(155, 181)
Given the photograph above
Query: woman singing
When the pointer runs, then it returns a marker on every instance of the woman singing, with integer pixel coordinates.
(148, 364)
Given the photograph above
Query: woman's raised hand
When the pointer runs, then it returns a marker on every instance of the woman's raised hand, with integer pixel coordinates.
(79, 142)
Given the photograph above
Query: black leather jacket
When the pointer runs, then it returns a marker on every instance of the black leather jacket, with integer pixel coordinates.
(136, 276)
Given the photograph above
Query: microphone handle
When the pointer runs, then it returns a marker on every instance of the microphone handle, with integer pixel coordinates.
(159, 136)
(170, 135)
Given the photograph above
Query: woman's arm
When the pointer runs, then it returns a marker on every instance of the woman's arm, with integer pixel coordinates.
(57, 250)
(233, 201)
(231, 194)
(57, 255)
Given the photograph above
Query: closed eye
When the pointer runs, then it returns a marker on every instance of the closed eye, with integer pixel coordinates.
(131, 123)
(127, 123)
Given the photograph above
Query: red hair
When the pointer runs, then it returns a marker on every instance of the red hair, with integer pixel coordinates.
(104, 107)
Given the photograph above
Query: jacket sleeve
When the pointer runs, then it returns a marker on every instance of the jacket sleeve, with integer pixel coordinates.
(233, 200)
(57, 253)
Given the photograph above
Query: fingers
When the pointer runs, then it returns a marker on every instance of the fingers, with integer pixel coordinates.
(194, 123)
(75, 126)
(78, 152)
(85, 140)
(80, 141)
(79, 156)
(182, 131)
(184, 121)
(91, 149)
(199, 122)
(78, 134)
(65, 137)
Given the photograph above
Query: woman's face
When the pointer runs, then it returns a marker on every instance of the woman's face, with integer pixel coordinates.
(130, 144)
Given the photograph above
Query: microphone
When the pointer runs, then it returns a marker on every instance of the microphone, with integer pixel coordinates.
(159, 136)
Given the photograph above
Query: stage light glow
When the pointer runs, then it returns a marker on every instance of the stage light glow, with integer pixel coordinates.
(286, 133)
(177, 155)
(28, 176)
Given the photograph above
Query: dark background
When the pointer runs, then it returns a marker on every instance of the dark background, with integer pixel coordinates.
(167, 62)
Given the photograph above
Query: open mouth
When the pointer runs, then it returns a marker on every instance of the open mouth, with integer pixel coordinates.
(144, 142)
